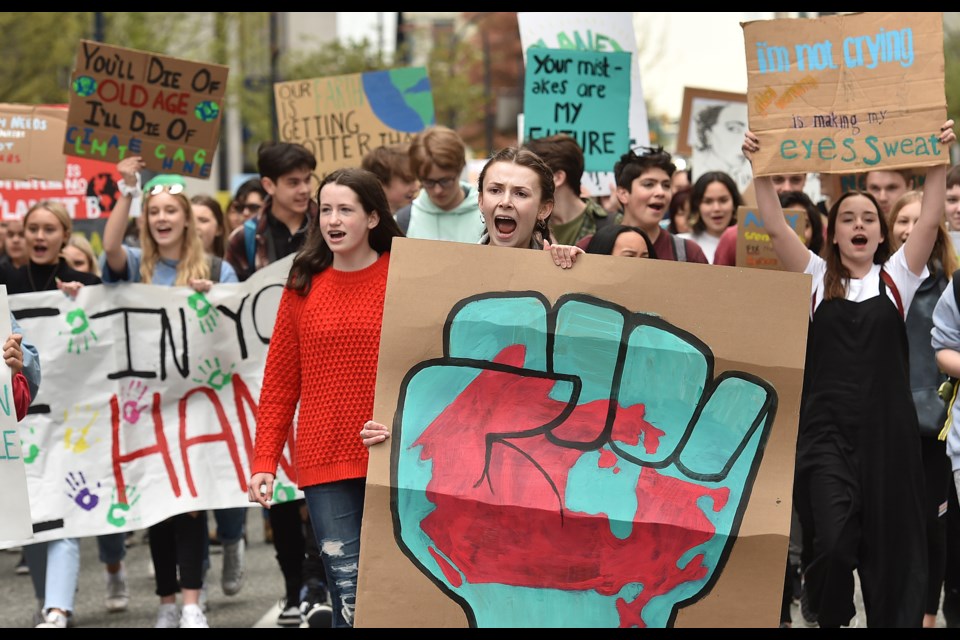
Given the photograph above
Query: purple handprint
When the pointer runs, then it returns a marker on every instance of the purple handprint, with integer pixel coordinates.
(80, 493)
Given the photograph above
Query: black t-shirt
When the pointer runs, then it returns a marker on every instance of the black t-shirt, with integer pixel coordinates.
(42, 277)
(284, 242)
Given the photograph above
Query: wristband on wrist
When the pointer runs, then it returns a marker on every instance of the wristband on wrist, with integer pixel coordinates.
(127, 190)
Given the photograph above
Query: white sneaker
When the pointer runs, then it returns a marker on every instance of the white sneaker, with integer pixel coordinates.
(192, 618)
(204, 597)
(167, 617)
(117, 595)
(53, 620)
(231, 578)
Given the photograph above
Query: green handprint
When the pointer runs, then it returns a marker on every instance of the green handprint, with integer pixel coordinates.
(283, 493)
(216, 377)
(116, 514)
(578, 465)
(31, 451)
(80, 332)
(207, 314)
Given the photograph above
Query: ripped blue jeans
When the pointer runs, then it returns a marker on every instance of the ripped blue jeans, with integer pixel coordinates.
(336, 509)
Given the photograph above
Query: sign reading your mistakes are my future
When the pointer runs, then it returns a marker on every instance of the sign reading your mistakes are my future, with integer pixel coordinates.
(585, 94)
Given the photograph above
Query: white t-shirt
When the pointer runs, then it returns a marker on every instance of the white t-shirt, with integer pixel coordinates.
(705, 241)
(869, 286)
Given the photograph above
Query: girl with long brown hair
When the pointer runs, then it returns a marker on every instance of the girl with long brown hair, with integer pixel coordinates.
(858, 484)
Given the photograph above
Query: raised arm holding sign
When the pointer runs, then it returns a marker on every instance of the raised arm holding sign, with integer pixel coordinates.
(858, 416)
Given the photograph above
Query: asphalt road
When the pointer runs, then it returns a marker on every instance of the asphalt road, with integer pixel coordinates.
(254, 606)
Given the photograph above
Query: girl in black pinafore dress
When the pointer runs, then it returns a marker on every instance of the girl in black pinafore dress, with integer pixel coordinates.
(858, 486)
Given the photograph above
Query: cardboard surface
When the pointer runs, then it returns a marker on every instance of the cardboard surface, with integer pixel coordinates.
(127, 102)
(30, 142)
(754, 248)
(340, 118)
(846, 93)
(751, 321)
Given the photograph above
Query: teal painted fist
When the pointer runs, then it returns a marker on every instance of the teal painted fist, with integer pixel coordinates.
(574, 465)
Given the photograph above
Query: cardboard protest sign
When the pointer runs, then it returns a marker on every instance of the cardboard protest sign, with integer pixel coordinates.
(30, 142)
(127, 102)
(846, 93)
(340, 118)
(591, 31)
(754, 248)
(148, 402)
(580, 448)
(585, 94)
(14, 499)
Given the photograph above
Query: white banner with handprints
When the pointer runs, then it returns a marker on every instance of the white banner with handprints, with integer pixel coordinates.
(14, 504)
(148, 402)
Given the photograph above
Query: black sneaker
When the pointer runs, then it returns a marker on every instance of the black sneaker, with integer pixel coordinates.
(289, 614)
(808, 615)
(22, 569)
(319, 616)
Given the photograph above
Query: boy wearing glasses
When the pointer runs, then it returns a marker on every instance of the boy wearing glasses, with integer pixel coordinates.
(286, 171)
(446, 208)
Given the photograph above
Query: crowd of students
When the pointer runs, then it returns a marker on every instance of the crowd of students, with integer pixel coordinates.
(881, 262)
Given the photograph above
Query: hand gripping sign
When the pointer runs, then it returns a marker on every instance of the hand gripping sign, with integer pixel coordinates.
(579, 465)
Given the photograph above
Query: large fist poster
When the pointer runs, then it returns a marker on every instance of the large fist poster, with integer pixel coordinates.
(580, 449)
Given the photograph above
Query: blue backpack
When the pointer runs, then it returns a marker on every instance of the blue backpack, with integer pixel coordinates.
(250, 242)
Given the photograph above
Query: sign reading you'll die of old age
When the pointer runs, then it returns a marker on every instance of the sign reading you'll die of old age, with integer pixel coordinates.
(848, 93)
(125, 102)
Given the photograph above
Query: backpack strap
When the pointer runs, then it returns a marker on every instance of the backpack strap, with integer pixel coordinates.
(679, 248)
(216, 266)
(955, 278)
(250, 242)
(887, 280)
(403, 218)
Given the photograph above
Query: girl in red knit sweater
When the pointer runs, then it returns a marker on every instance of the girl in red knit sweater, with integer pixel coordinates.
(323, 356)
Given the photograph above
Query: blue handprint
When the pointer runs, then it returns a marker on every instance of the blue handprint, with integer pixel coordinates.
(80, 492)
(578, 465)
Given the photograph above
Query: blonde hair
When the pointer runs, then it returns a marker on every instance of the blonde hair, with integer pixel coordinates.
(60, 213)
(80, 241)
(193, 263)
(944, 255)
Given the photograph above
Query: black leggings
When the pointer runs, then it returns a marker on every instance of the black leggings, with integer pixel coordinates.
(939, 480)
(178, 543)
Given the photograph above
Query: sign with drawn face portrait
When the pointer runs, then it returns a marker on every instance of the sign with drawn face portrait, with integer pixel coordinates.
(712, 128)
